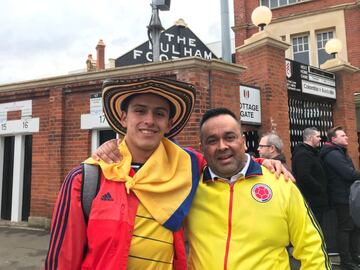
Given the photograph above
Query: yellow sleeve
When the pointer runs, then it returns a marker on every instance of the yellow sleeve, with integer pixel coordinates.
(305, 234)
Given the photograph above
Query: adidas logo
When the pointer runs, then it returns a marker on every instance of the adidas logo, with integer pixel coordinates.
(107, 197)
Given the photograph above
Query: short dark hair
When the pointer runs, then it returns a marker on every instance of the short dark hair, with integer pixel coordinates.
(216, 112)
(125, 104)
(308, 132)
(332, 132)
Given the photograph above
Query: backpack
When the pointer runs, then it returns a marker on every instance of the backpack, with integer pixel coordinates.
(90, 187)
(354, 202)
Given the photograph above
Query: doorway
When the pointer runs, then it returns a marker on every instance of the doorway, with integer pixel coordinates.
(7, 183)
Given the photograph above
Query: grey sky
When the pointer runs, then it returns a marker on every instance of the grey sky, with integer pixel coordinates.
(42, 38)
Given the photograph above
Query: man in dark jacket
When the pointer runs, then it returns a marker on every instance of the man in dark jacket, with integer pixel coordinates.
(309, 173)
(341, 174)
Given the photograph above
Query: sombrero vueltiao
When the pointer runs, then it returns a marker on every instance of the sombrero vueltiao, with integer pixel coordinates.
(180, 95)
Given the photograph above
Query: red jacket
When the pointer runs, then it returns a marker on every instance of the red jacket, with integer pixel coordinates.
(104, 242)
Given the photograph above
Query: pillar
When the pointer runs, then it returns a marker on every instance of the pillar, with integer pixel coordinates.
(264, 57)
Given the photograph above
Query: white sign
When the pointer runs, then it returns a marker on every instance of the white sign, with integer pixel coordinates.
(22, 126)
(94, 121)
(24, 106)
(318, 89)
(96, 104)
(322, 80)
(250, 107)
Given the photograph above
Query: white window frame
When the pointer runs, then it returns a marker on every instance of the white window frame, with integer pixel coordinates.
(328, 32)
(278, 5)
(300, 47)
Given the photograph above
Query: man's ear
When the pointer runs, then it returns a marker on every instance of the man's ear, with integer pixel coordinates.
(273, 148)
(123, 118)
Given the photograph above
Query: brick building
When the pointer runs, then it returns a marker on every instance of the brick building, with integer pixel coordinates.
(50, 125)
(306, 26)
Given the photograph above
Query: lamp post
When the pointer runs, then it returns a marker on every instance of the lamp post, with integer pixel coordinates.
(333, 46)
(261, 16)
(225, 31)
(155, 28)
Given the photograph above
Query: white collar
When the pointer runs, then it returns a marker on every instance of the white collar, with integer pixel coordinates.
(235, 177)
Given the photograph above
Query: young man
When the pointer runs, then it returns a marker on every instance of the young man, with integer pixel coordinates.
(341, 174)
(136, 217)
(309, 172)
(241, 216)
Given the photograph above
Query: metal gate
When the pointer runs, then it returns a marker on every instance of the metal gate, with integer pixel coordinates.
(308, 111)
(252, 142)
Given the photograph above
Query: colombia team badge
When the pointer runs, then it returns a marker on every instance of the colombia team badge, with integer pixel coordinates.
(261, 193)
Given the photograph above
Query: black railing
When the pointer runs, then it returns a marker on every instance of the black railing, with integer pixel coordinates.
(306, 111)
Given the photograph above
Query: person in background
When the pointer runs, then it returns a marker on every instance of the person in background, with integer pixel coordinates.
(341, 173)
(271, 146)
(309, 172)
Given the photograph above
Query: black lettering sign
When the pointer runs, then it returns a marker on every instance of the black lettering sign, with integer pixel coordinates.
(298, 76)
(175, 42)
(102, 119)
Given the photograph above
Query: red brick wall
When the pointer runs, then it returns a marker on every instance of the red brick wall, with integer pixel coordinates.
(60, 144)
(14, 115)
(315, 5)
(266, 69)
(352, 26)
(344, 112)
(42, 185)
(214, 89)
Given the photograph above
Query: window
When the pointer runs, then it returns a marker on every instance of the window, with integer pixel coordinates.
(278, 3)
(321, 39)
(301, 49)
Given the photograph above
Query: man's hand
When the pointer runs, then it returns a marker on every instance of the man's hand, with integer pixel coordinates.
(276, 167)
(108, 151)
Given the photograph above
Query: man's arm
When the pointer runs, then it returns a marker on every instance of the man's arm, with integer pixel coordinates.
(275, 166)
(109, 153)
(342, 166)
(305, 233)
(68, 227)
(304, 174)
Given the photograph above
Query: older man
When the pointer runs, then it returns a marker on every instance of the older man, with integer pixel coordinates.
(271, 146)
(241, 216)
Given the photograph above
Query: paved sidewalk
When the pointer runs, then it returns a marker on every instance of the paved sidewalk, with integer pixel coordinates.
(22, 248)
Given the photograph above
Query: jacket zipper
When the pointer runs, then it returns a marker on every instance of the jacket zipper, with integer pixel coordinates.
(229, 226)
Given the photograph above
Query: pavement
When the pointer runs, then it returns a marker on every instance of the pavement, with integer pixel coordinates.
(24, 248)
